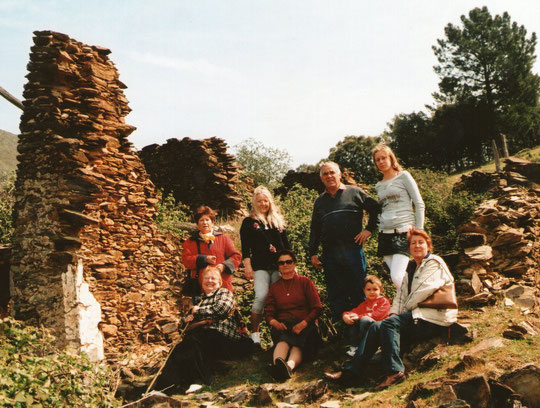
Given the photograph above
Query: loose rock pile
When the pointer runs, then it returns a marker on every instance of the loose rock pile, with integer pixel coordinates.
(501, 243)
(85, 244)
(196, 172)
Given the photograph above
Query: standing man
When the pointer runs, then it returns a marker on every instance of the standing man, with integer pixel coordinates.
(336, 224)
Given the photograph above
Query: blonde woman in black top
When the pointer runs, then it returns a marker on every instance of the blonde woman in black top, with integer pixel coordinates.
(262, 235)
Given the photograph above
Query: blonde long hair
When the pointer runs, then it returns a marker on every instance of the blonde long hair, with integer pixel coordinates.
(274, 218)
(382, 147)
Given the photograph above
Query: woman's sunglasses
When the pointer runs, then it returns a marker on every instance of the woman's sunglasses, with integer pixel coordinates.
(288, 262)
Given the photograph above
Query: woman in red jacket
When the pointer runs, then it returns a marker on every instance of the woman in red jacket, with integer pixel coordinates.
(208, 247)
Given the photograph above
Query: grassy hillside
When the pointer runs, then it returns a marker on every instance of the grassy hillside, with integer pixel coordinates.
(532, 155)
(8, 152)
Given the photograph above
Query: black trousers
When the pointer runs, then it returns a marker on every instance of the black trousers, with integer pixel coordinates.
(192, 359)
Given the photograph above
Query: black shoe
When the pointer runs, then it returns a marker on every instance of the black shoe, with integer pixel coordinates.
(283, 370)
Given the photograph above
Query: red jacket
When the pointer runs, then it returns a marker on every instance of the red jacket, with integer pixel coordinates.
(222, 248)
(377, 309)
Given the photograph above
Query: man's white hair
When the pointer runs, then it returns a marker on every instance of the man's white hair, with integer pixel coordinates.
(332, 164)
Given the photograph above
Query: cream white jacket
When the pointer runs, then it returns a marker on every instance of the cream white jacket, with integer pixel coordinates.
(430, 275)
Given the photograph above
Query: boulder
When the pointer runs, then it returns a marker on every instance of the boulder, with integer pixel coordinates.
(479, 253)
(526, 382)
(524, 296)
(475, 390)
(262, 396)
(507, 237)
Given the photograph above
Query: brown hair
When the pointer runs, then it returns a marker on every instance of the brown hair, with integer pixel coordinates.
(204, 210)
(382, 147)
(422, 234)
(374, 280)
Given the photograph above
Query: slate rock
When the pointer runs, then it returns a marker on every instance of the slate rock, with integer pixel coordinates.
(525, 381)
(458, 403)
(479, 253)
(475, 390)
(262, 396)
(501, 394)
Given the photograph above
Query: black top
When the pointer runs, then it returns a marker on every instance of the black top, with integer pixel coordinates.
(262, 244)
(337, 219)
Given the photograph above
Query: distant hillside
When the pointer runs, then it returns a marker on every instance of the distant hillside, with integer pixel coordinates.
(8, 152)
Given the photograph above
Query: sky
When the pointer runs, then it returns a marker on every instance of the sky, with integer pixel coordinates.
(295, 75)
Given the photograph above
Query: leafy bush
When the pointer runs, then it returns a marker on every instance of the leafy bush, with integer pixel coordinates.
(297, 207)
(6, 207)
(34, 374)
(172, 215)
(446, 210)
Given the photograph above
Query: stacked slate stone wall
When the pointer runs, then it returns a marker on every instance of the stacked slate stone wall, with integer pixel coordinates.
(88, 261)
(197, 172)
(500, 245)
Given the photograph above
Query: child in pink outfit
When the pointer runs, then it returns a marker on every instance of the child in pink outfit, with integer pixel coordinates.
(375, 308)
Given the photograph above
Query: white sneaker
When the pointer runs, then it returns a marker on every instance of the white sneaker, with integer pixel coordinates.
(352, 351)
(193, 388)
(256, 337)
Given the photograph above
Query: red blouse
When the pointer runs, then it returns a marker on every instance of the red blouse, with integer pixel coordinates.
(293, 299)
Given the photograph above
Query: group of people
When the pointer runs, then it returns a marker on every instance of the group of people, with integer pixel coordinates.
(290, 302)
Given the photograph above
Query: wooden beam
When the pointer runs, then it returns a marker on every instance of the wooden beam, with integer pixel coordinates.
(11, 98)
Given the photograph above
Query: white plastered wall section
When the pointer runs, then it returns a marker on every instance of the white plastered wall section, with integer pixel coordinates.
(82, 314)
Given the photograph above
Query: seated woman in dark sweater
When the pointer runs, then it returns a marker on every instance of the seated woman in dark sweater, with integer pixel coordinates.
(292, 307)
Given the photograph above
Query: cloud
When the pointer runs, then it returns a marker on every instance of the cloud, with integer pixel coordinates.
(197, 66)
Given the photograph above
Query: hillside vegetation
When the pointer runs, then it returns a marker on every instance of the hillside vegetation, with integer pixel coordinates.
(8, 152)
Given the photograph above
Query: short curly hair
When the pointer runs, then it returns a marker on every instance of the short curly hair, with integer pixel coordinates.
(204, 210)
(420, 233)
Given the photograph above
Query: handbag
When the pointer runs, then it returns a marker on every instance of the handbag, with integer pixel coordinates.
(442, 298)
(191, 287)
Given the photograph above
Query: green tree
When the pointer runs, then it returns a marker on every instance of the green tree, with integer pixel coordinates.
(265, 165)
(487, 62)
(407, 133)
(354, 153)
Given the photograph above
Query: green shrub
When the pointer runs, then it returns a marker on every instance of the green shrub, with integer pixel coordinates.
(34, 374)
(6, 207)
(172, 215)
(446, 209)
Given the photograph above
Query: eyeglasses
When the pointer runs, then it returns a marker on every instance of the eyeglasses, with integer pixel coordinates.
(288, 262)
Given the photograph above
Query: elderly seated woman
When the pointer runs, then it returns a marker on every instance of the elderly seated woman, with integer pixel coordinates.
(409, 316)
(292, 307)
(212, 334)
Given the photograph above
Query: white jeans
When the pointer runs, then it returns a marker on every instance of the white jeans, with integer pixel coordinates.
(262, 281)
(398, 267)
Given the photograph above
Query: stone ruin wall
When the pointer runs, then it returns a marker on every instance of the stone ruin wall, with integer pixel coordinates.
(197, 172)
(500, 245)
(88, 261)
